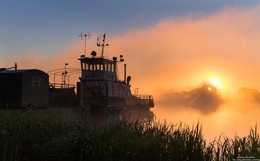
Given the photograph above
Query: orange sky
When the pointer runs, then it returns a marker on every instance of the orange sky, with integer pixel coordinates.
(178, 54)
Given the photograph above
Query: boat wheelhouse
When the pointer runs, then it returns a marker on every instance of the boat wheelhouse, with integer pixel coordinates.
(100, 89)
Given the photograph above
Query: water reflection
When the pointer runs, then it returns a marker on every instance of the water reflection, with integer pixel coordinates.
(230, 119)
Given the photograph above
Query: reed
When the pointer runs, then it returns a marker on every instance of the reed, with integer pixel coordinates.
(26, 138)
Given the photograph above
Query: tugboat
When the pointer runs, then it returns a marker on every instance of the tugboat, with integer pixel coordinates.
(101, 92)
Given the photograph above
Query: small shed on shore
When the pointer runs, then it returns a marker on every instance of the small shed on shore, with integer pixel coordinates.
(24, 88)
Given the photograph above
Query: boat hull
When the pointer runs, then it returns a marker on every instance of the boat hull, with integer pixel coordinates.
(100, 108)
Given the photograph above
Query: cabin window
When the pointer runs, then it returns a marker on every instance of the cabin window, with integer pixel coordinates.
(82, 66)
(36, 81)
(98, 66)
(108, 67)
(112, 67)
(91, 67)
(85, 66)
(104, 66)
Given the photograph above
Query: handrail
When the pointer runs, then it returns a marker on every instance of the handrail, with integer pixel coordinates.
(144, 96)
(60, 85)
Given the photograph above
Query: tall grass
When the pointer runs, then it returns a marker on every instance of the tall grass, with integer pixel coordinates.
(24, 138)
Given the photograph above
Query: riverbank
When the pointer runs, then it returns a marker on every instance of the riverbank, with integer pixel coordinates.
(30, 138)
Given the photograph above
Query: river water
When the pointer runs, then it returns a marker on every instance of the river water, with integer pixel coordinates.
(229, 119)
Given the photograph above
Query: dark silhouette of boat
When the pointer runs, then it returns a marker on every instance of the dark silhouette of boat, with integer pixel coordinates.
(100, 91)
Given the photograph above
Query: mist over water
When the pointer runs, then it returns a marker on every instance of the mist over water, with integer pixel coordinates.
(235, 115)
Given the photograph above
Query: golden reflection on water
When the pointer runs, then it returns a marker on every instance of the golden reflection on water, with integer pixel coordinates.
(228, 120)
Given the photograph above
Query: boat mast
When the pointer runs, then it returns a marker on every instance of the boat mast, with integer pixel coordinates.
(103, 44)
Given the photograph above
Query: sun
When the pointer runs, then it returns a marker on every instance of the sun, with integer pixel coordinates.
(216, 82)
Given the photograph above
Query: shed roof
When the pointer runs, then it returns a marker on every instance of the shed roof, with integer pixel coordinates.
(21, 71)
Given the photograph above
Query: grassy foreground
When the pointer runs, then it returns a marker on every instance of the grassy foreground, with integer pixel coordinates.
(24, 138)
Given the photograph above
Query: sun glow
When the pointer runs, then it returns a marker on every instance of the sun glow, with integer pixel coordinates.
(216, 82)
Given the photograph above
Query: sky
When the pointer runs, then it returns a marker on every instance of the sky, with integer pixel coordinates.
(171, 48)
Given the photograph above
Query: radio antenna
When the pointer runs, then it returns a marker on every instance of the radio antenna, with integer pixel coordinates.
(81, 35)
(103, 44)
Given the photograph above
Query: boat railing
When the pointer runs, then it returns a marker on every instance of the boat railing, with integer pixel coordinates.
(61, 85)
(144, 96)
